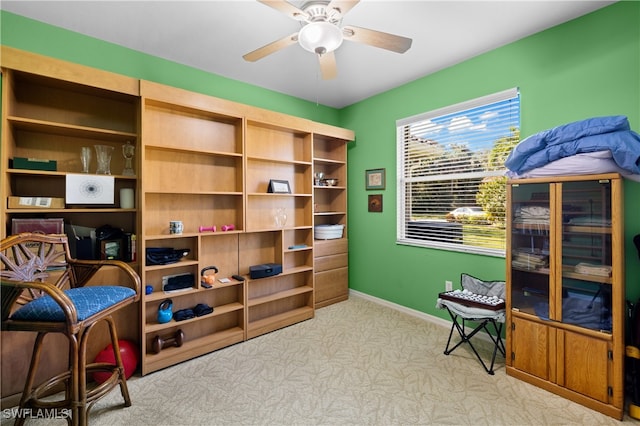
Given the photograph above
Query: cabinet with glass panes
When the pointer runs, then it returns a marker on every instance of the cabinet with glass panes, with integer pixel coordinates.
(565, 284)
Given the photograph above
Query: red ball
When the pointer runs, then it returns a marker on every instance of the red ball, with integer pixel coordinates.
(129, 355)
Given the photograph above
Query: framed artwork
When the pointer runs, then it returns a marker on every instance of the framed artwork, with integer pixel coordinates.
(375, 203)
(375, 179)
(279, 187)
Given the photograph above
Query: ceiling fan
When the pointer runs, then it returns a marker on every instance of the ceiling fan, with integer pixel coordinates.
(321, 32)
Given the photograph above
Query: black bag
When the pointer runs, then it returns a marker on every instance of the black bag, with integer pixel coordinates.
(164, 255)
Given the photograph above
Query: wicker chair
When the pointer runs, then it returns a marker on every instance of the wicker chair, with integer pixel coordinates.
(43, 291)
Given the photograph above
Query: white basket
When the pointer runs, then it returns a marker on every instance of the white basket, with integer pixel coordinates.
(328, 232)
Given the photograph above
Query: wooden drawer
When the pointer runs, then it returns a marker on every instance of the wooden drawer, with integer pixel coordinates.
(331, 286)
(326, 263)
(329, 247)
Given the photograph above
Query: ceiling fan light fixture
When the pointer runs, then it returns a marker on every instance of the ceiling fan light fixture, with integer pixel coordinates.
(320, 37)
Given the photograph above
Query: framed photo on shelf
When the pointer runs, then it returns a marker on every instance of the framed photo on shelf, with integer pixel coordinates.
(279, 187)
(111, 249)
(375, 179)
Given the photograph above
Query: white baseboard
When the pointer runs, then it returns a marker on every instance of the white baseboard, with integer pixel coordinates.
(418, 314)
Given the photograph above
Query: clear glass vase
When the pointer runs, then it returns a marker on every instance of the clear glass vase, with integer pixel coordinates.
(103, 156)
(280, 217)
(85, 158)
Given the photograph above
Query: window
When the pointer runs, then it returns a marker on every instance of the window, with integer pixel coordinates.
(451, 174)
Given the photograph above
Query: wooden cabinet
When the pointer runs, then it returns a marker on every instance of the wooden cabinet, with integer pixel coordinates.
(565, 288)
(330, 208)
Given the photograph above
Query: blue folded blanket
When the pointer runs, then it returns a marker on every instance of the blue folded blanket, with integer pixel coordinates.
(591, 135)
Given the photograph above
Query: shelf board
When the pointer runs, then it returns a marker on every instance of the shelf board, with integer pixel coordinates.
(329, 187)
(44, 126)
(192, 348)
(279, 295)
(578, 229)
(190, 235)
(568, 273)
(328, 161)
(297, 270)
(279, 160)
(271, 194)
(161, 295)
(218, 310)
(63, 174)
(265, 325)
(233, 193)
(585, 229)
(584, 277)
(171, 265)
(331, 213)
(533, 227)
(194, 150)
(74, 210)
(541, 271)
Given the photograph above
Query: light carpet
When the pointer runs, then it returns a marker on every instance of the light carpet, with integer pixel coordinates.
(355, 363)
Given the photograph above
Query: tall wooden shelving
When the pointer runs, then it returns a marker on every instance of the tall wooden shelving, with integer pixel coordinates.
(50, 109)
(565, 288)
(209, 162)
(330, 208)
(276, 222)
(192, 162)
(199, 159)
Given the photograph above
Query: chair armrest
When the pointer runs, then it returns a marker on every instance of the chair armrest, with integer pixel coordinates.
(83, 270)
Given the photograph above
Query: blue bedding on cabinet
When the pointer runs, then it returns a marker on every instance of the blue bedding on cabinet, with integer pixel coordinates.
(590, 135)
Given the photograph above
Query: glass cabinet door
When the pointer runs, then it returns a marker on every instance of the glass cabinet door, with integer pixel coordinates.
(530, 242)
(586, 255)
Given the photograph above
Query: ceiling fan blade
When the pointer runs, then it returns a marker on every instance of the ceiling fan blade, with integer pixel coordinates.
(328, 66)
(271, 48)
(379, 39)
(343, 6)
(286, 8)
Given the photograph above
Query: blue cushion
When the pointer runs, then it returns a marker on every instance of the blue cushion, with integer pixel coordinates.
(87, 300)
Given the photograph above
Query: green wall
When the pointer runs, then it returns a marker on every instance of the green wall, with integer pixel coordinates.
(586, 67)
(34, 36)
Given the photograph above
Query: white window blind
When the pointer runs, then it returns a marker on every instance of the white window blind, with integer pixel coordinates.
(451, 191)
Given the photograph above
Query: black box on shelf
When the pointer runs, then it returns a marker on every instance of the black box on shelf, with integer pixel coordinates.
(265, 270)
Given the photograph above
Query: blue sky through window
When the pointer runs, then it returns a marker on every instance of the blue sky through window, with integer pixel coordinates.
(477, 127)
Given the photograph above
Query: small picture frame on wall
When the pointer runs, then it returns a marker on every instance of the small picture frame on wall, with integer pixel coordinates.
(279, 187)
(375, 179)
(375, 203)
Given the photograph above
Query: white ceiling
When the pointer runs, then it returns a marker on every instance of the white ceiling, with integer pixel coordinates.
(213, 36)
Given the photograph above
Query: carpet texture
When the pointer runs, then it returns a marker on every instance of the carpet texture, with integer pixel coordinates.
(355, 363)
